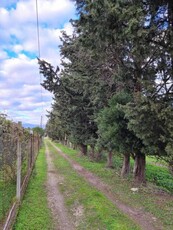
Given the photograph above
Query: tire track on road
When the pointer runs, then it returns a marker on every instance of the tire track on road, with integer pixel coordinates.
(55, 198)
(144, 219)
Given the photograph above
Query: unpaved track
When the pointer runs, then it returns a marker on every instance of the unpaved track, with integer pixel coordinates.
(145, 220)
(55, 198)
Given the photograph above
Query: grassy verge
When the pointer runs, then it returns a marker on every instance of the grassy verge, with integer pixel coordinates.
(160, 176)
(7, 194)
(150, 198)
(153, 160)
(34, 213)
(90, 207)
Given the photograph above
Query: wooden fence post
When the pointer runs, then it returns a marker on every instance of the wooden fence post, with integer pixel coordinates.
(18, 184)
(38, 142)
(33, 145)
(31, 148)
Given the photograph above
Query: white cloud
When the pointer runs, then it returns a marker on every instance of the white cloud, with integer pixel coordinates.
(3, 54)
(21, 94)
(21, 90)
(51, 12)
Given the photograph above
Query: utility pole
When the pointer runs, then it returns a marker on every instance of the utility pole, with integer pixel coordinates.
(41, 122)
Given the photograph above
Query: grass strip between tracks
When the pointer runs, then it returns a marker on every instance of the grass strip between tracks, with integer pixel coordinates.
(89, 207)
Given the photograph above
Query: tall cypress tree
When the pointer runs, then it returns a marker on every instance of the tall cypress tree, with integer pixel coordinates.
(118, 46)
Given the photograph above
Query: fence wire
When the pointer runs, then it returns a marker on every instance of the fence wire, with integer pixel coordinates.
(15, 163)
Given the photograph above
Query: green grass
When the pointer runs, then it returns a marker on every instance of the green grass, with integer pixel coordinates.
(34, 213)
(8, 191)
(160, 176)
(151, 198)
(157, 173)
(98, 211)
(7, 195)
(24, 169)
(156, 161)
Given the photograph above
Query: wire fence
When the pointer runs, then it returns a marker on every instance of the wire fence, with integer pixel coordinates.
(18, 151)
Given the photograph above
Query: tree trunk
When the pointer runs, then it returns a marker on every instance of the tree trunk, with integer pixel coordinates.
(133, 156)
(83, 149)
(65, 142)
(98, 156)
(92, 152)
(74, 146)
(135, 166)
(171, 167)
(126, 165)
(139, 169)
(70, 144)
(109, 160)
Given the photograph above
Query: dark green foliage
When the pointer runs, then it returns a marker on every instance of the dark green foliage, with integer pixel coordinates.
(152, 122)
(116, 46)
(112, 126)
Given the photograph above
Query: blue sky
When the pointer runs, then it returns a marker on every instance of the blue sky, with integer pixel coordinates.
(20, 90)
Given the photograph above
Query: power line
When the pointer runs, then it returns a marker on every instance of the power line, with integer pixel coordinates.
(38, 31)
(39, 55)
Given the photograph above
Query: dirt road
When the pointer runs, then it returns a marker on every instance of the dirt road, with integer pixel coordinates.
(55, 198)
(145, 220)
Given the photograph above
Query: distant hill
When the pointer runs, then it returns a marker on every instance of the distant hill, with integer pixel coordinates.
(27, 125)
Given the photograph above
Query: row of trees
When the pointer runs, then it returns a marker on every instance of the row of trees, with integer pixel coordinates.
(115, 89)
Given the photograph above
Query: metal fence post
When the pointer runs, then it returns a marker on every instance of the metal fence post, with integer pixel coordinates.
(18, 184)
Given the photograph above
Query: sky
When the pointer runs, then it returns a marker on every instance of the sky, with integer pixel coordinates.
(21, 96)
